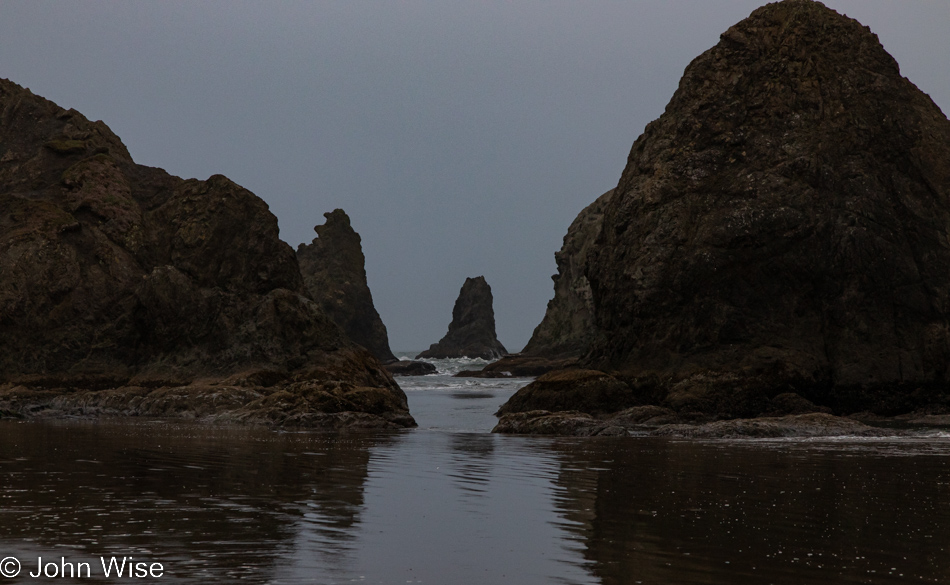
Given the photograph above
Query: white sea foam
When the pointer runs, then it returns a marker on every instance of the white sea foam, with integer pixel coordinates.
(450, 366)
(444, 381)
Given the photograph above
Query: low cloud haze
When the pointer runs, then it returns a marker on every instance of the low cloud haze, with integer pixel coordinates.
(462, 138)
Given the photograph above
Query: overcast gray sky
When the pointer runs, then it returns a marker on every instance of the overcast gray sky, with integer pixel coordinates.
(461, 137)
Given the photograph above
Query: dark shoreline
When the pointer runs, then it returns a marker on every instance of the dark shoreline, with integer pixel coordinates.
(278, 407)
(653, 421)
(262, 408)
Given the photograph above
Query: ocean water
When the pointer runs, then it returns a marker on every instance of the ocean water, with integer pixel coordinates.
(450, 503)
(441, 402)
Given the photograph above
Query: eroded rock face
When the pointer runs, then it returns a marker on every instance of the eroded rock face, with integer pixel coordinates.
(116, 276)
(567, 330)
(472, 330)
(333, 268)
(782, 227)
(790, 211)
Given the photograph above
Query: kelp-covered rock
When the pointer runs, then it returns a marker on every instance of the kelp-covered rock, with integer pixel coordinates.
(783, 227)
(115, 277)
(472, 330)
(333, 268)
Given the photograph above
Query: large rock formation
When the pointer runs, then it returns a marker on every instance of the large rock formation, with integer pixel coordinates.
(472, 330)
(783, 227)
(126, 290)
(333, 268)
(567, 330)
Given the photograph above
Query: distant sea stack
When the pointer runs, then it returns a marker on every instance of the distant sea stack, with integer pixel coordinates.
(781, 229)
(333, 268)
(125, 290)
(472, 330)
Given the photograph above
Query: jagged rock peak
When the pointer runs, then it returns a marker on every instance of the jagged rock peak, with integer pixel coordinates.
(472, 330)
(333, 268)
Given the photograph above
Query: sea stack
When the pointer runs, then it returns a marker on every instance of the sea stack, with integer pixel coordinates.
(334, 272)
(125, 290)
(472, 330)
(781, 229)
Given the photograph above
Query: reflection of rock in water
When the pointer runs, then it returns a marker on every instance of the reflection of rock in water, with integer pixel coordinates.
(472, 461)
(576, 497)
(335, 500)
(170, 489)
(659, 511)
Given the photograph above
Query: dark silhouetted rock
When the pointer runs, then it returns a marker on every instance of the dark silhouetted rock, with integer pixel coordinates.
(333, 268)
(472, 330)
(519, 365)
(125, 290)
(410, 368)
(587, 391)
(782, 228)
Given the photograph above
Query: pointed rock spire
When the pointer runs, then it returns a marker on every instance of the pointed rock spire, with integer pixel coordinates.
(333, 268)
(472, 331)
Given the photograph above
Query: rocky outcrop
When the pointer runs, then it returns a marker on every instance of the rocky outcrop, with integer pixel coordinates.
(333, 268)
(126, 290)
(646, 422)
(519, 366)
(567, 330)
(587, 391)
(410, 368)
(472, 330)
(782, 227)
